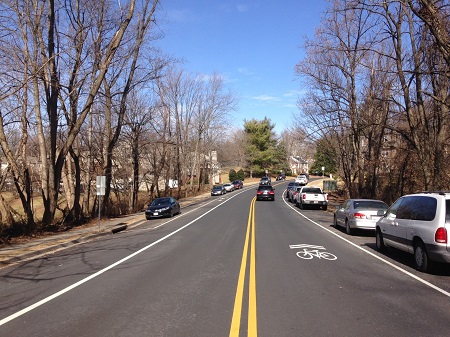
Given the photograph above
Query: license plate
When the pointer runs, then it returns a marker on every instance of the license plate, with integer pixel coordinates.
(316, 202)
(155, 214)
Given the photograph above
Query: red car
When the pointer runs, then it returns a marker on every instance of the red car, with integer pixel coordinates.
(238, 184)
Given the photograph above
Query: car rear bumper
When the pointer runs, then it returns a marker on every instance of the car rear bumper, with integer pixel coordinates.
(438, 253)
(315, 202)
(363, 224)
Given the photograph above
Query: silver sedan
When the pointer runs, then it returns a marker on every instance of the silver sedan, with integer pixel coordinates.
(358, 214)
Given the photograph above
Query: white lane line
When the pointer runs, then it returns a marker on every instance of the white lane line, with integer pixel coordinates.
(421, 280)
(67, 289)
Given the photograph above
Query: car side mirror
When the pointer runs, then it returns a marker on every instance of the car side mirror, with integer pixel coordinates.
(381, 212)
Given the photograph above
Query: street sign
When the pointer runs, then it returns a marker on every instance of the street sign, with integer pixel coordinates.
(101, 185)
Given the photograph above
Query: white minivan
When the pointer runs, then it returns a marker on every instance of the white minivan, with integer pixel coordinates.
(418, 224)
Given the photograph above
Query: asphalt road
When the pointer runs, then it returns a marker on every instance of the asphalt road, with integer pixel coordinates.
(227, 267)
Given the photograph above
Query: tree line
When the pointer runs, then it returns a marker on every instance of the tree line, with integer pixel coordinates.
(84, 93)
(378, 81)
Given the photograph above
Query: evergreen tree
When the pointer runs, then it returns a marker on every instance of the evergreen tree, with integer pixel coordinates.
(325, 156)
(261, 145)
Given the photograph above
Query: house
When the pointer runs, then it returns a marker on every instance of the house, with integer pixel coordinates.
(298, 165)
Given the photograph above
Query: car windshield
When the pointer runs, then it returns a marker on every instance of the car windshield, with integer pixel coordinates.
(160, 201)
(217, 188)
(260, 188)
(369, 204)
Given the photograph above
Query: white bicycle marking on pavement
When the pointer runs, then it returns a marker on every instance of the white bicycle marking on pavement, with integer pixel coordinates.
(311, 251)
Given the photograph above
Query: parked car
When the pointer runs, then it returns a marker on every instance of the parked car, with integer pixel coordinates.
(162, 207)
(265, 192)
(358, 214)
(417, 224)
(228, 187)
(238, 184)
(218, 190)
(311, 196)
(301, 179)
(265, 181)
(291, 185)
(292, 193)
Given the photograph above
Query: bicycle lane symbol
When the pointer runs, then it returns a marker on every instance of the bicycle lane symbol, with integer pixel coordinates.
(308, 252)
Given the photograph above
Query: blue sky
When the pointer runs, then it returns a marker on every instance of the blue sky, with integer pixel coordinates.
(253, 45)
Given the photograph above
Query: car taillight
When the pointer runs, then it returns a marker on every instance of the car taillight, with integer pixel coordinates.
(441, 235)
(359, 215)
(303, 196)
(327, 197)
(271, 192)
(259, 192)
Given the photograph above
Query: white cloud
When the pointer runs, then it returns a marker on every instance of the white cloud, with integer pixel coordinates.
(266, 98)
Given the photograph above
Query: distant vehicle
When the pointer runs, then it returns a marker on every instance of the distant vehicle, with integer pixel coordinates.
(265, 181)
(418, 224)
(238, 184)
(358, 214)
(292, 193)
(291, 185)
(281, 177)
(265, 192)
(301, 179)
(218, 190)
(228, 187)
(162, 207)
(311, 196)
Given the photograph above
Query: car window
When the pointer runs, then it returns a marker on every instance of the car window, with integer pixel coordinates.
(311, 190)
(369, 204)
(392, 211)
(418, 208)
(160, 201)
(447, 211)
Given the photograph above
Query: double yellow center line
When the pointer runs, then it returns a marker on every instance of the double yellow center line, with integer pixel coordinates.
(237, 312)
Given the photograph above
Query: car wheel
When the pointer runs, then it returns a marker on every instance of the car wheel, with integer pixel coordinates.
(148, 218)
(421, 259)
(300, 205)
(379, 241)
(335, 224)
(348, 229)
(325, 207)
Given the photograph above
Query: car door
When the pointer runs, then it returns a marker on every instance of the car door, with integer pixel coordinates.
(341, 213)
(393, 225)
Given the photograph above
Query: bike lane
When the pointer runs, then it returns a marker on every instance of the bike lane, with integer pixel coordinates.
(310, 282)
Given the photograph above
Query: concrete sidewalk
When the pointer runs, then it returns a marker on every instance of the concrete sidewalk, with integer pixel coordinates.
(34, 247)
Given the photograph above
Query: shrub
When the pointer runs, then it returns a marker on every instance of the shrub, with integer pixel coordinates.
(232, 175)
(240, 175)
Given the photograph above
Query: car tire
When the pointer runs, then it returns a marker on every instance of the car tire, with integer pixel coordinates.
(325, 207)
(348, 229)
(335, 224)
(300, 205)
(148, 218)
(421, 259)
(379, 241)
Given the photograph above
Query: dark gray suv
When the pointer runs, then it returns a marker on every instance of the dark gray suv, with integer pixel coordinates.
(418, 224)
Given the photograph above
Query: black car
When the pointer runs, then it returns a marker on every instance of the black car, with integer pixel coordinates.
(218, 190)
(265, 192)
(162, 207)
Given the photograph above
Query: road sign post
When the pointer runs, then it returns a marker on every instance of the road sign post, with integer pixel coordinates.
(101, 185)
